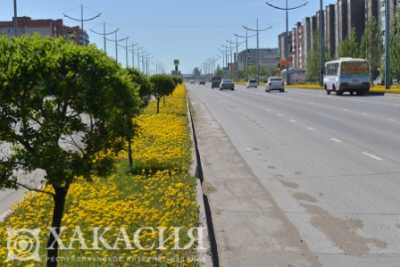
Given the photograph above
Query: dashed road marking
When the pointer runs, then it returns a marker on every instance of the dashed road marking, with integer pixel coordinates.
(310, 128)
(375, 157)
(293, 121)
(336, 140)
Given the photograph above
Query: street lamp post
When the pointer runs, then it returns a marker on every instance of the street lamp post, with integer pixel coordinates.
(257, 30)
(287, 9)
(321, 42)
(387, 45)
(104, 35)
(15, 18)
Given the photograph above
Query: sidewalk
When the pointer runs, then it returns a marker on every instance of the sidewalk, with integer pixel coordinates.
(250, 229)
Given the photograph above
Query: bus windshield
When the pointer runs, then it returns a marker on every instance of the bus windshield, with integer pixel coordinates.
(355, 68)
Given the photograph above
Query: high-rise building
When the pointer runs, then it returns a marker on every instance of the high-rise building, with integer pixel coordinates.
(314, 31)
(283, 46)
(307, 39)
(356, 17)
(341, 22)
(298, 46)
(330, 30)
(45, 27)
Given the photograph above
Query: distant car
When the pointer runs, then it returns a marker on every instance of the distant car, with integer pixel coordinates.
(275, 83)
(227, 84)
(215, 82)
(252, 84)
(202, 82)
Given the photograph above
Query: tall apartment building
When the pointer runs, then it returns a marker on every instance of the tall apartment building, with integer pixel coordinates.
(298, 46)
(330, 30)
(341, 22)
(283, 47)
(45, 27)
(356, 17)
(314, 30)
(307, 38)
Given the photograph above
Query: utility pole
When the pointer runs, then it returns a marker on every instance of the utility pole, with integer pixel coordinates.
(287, 9)
(321, 42)
(15, 18)
(116, 43)
(133, 45)
(104, 34)
(82, 19)
(257, 30)
(387, 45)
(138, 57)
(246, 37)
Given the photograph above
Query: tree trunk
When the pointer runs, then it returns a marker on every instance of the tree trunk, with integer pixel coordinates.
(164, 100)
(130, 157)
(58, 212)
(158, 105)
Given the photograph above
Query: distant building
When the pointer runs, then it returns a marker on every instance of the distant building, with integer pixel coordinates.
(307, 39)
(341, 23)
(330, 30)
(356, 17)
(285, 47)
(269, 57)
(45, 27)
(298, 46)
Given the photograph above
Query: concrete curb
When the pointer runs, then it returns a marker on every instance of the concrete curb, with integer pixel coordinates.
(208, 257)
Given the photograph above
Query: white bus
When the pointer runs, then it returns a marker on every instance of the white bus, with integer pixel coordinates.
(347, 75)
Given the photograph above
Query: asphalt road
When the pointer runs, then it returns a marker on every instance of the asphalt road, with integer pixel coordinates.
(331, 163)
(8, 198)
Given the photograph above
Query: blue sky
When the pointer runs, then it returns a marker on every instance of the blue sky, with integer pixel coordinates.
(189, 30)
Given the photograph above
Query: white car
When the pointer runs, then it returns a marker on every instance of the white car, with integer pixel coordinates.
(275, 83)
(252, 84)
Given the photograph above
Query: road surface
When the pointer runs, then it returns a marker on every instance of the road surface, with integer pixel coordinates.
(330, 163)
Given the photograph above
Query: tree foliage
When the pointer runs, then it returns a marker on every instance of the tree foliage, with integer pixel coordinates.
(350, 47)
(313, 65)
(145, 88)
(163, 85)
(372, 46)
(64, 110)
(395, 49)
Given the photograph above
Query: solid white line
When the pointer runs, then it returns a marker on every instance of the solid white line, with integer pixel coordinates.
(336, 140)
(372, 156)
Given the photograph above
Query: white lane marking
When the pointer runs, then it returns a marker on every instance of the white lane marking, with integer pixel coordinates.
(279, 114)
(293, 121)
(310, 128)
(336, 140)
(375, 157)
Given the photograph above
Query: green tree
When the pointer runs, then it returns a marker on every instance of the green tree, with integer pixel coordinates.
(395, 49)
(350, 47)
(145, 88)
(163, 85)
(372, 46)
(313, 66)
(61, 106)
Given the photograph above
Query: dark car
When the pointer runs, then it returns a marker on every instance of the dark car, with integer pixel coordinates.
(227, 84)
(215, 82)
(202, 82)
